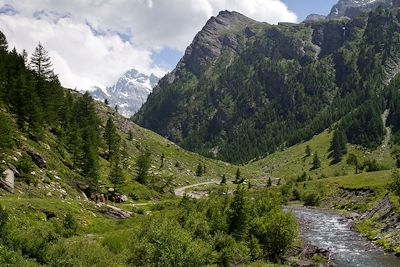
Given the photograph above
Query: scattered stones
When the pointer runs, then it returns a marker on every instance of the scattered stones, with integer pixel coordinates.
(7, 181)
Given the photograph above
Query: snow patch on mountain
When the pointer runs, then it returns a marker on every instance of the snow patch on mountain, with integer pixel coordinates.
(128, 93)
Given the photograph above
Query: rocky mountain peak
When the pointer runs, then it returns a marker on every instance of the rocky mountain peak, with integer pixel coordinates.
(207, 45)
(353, 8)
(129, 92)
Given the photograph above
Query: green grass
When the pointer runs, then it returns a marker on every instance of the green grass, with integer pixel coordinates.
(291, 162)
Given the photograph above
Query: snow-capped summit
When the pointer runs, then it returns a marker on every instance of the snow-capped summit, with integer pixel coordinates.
(353, 8)
(128, 93)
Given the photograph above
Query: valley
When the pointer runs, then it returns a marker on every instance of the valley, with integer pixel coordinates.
(267, 145)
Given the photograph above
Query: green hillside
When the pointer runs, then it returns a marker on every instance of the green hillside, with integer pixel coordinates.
(263, 87)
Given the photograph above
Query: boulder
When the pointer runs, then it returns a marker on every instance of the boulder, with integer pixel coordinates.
(114, 212)
(124, 198)
(39, 160)
(7, 181)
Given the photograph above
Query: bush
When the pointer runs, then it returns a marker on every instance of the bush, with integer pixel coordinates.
(311, 199)
(25, 167)
(394, 186)
(276, 233)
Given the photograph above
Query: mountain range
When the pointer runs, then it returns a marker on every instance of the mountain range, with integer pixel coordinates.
(245, 89)
(128, 93)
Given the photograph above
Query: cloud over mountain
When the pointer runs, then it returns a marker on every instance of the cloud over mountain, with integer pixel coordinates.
(93, 42)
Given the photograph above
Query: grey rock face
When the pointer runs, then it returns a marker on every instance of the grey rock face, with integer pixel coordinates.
(315, 17)
(7, 181)
(129, 92)
(353, 8)
(208, 43)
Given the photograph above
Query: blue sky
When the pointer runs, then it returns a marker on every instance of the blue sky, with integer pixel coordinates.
(303, 8)
(94, 42)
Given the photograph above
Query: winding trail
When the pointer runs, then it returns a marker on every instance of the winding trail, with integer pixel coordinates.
(181, 191)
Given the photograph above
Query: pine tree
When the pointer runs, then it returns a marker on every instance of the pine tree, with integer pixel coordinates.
(3, 42)
(41, 64)
(106, 101)
(238, 217)
(316, 164)
(308, 151)
(162, 161)
(223, 180)
(111, 138)
(338, 145)
(6, 132)
(352, 160)
(143, 166)
(116, 175)
(238, 177)
(130, 135)
(199, 170)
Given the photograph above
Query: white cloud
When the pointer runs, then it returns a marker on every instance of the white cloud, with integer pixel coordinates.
(84, 36)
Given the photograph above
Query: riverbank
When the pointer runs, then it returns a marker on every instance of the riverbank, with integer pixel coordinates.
(332, 232)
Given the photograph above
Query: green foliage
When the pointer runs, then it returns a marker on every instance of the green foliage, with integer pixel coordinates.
(199, 170)
(116, 175)
(25, 167)
(70, 225)
(3, 42)
(3, 220)
(167, 244)
(275, 233)
(273, 92)
(6, 132)
(338, 145)
(238, 177)
(371, 165)
(142, 167)
(316, 164)
(311, 199)
(352, 160)
(223, 179)
(307, 151)
(112, 139)
(239, 216)
(41, 64)
(394, 185)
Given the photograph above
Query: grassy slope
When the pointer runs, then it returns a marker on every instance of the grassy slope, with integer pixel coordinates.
(291, 162)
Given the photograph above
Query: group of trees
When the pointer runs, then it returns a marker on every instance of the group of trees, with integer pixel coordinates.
(32, 93)
(221, 230)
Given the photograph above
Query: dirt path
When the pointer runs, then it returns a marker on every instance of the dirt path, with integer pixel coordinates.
(181, 191)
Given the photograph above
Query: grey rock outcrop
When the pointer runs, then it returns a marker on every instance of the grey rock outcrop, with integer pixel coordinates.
(208, 43)
(114, 212)
(37, 159)
(353, 8)
(7, 181)
(315, 17)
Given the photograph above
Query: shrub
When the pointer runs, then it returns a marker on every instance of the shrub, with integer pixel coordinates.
(394, 185)
(311, 199)
(276, 232)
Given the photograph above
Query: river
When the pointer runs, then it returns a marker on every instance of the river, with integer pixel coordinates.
(329, 230)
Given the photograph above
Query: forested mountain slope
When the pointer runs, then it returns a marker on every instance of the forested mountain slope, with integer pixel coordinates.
(245, 89)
